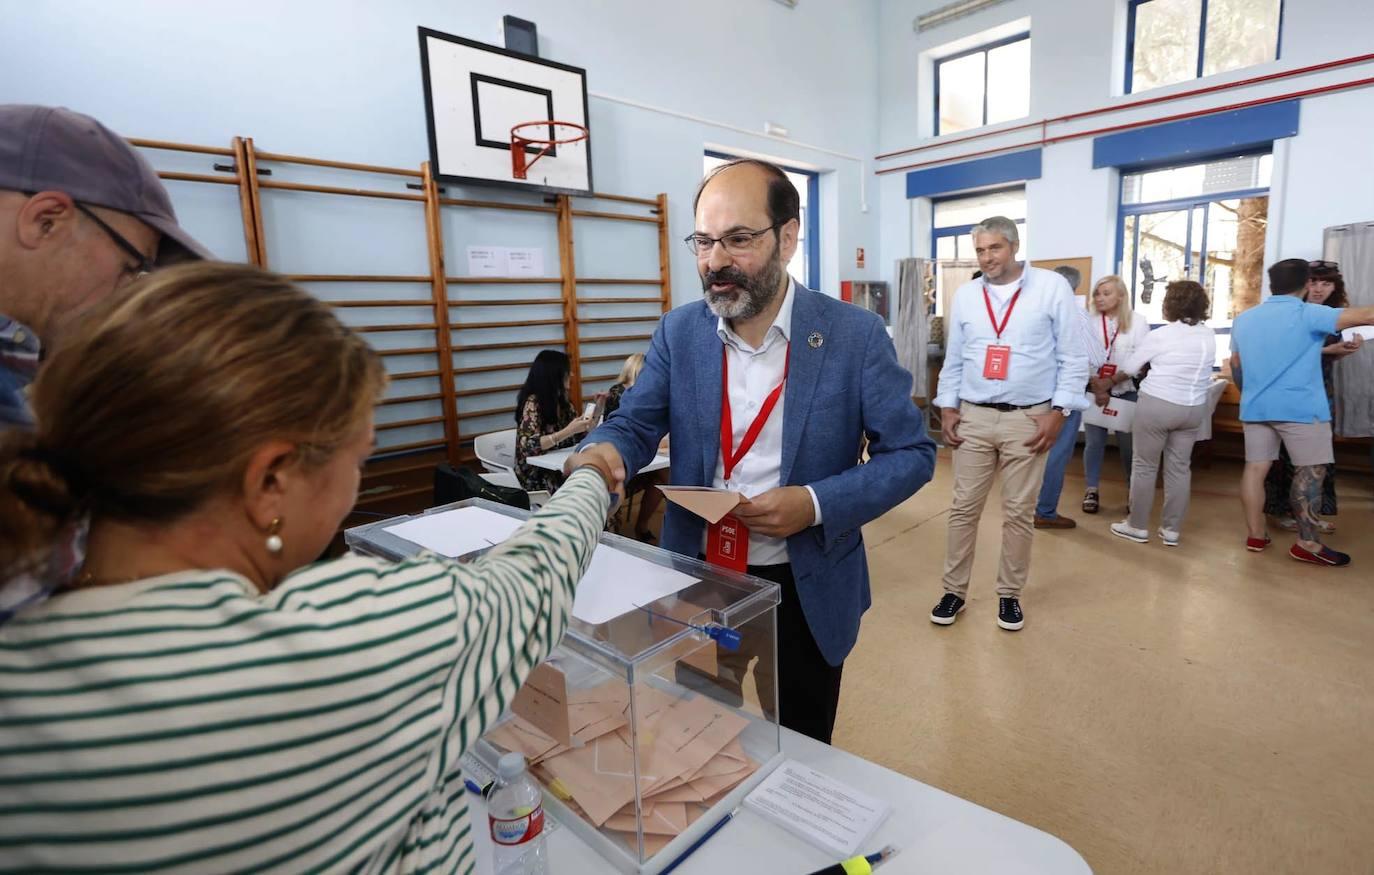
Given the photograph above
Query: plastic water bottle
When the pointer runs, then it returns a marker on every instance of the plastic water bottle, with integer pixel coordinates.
(515, 813)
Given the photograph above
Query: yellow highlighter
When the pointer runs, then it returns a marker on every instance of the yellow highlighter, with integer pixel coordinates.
(862, 865)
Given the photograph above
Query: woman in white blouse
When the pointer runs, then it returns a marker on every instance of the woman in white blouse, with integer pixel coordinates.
(1121, 333)
(1172, 405)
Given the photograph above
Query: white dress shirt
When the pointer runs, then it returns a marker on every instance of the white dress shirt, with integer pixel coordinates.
(1089, 324)
(754, 373)
(1049, 359)
(1180, 357)
(1125, 343)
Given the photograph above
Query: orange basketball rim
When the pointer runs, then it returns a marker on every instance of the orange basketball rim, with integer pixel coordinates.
(521, 161)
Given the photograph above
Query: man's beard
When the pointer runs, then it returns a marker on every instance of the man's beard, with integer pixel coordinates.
(752, 293)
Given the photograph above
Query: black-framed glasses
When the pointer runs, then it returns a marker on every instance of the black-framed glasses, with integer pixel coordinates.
(1323, 266)
(145, 266)
(736, 242)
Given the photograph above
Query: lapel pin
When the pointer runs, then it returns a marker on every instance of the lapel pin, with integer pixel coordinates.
(815, 339)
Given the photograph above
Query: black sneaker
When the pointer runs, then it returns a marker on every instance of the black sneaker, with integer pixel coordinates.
(947, 611)
(1009, 614)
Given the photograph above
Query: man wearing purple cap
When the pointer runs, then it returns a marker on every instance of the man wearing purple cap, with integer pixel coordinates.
(81, 214)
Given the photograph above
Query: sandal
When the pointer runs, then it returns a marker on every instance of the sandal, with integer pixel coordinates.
(1090, 502)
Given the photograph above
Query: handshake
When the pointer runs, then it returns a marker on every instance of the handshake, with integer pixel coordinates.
(606, 461)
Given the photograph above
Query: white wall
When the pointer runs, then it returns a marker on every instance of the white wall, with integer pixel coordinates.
(1077, 63)
(342, 80)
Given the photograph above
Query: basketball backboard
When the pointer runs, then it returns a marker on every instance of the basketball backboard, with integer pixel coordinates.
(475, 93)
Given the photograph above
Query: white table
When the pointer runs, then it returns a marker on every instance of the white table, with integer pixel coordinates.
(554, 461)
(937, 833)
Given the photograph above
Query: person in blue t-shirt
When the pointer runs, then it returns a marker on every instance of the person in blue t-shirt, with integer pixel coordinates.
(1284, 402)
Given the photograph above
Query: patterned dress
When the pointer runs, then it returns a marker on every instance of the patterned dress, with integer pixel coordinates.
(527, 434)
(613, 396)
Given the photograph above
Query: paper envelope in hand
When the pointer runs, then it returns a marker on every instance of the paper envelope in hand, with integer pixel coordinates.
(706, 502)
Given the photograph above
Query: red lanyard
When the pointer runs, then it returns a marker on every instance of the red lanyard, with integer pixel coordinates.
(728, 455)
(1105, 342)
(1006, 317)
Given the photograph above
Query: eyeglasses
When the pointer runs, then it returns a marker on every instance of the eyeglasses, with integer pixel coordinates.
(736, 242)
(144, 267)
(1323, 267)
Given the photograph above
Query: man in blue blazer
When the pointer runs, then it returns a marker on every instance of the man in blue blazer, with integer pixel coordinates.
(807, 377)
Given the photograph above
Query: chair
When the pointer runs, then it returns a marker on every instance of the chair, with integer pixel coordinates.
(496, 451)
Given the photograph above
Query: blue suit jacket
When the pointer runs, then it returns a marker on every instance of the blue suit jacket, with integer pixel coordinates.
(849, 385)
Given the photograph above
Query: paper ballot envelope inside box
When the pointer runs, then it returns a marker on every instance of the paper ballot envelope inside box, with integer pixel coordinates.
(637, 726)
(707, 502)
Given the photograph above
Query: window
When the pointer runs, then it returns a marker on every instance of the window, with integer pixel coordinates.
(1199, 221)
(984, 86)
(954, 218)
(1176, 40)
(805, 265)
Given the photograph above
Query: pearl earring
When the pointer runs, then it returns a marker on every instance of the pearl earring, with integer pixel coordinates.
(274, 544)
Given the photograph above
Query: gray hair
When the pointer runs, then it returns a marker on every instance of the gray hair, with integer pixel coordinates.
(1000, 225)
(1071, 274)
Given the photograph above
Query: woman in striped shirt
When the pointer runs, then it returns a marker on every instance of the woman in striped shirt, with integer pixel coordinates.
(202, 698)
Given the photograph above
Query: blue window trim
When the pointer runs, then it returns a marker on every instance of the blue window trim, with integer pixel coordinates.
(1188, 203)
(1123, 209)
(1201, 40)
(813, 218)
(985, 47)
(960, 230)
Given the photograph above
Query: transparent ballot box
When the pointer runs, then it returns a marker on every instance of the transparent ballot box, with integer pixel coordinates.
(656, 714)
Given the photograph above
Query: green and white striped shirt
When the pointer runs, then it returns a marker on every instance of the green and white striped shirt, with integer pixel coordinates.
(186, 723)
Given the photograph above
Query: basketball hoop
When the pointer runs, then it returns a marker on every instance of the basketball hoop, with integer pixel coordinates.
(521, 162)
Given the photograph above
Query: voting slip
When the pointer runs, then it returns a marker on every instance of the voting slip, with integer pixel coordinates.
(816, 808)
(707, 502)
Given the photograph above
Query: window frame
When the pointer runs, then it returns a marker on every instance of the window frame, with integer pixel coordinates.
(1188, 203)
(1134, 5)
(938, 232)
(812, 235)
(985, 47)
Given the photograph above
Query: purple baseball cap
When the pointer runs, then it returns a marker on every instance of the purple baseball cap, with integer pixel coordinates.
(49, 148)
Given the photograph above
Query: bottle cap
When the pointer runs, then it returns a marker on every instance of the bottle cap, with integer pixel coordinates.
(510, 766)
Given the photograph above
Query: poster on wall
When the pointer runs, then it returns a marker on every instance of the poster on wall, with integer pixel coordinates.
(1084, 266)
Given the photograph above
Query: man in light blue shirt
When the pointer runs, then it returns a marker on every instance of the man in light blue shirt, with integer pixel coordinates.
(1283, 400)
(1015, 368)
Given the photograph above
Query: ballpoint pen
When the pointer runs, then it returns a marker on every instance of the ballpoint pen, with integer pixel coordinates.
(699, 842)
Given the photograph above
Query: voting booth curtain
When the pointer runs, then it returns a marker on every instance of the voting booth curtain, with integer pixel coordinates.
(1352, 247)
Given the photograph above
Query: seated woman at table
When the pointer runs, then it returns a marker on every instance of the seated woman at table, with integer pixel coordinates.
(202, 697)
(644, 484)
(545, 419)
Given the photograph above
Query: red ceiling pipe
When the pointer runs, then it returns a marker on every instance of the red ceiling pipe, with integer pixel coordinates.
(1209, 89)
(1144, 123)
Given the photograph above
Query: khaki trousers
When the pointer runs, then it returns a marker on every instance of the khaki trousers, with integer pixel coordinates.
(1162, 428)
(994, 441)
